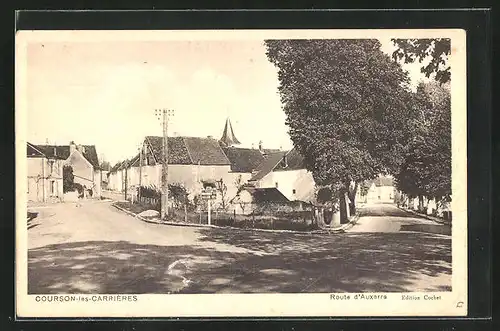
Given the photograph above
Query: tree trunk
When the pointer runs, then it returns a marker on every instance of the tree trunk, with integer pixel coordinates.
(352, 198)
(420, 203)
(344, 217)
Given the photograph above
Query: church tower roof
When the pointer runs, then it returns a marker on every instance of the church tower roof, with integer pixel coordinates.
(228, 138)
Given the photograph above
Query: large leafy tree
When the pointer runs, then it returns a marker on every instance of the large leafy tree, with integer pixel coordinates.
(68, 179)
(427, 167)
(433, 51)
(346, 107)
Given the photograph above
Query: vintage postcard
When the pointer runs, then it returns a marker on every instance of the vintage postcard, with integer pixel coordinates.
(241, 173)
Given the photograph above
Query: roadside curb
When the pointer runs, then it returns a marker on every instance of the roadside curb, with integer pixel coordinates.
(430, 218)
(61, 203)
(350, 224)
(340, 229)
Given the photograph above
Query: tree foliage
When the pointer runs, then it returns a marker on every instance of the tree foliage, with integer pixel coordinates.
(68, 179)
(427, 167)
(346, 107)
(179, 194)
(435, 51)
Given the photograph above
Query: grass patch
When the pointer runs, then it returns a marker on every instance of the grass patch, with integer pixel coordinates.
(135, 208)
(269, 223)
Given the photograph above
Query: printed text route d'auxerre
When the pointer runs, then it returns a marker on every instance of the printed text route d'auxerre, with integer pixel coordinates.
(341, 297)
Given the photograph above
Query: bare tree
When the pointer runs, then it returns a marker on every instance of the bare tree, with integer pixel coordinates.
(239, 184)
(222, 189)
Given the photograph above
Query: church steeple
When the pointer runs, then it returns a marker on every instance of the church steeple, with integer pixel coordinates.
(228, 137)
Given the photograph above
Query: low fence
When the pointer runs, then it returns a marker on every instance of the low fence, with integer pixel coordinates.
(264, 218)
(279, 221)
(292, 216)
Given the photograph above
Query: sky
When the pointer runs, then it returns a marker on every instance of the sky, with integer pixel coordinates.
(105, 94)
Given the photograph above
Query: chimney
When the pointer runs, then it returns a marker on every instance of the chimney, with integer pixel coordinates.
(210, 137)
(72, 147)
(55, 151)
(260, 145)
(80, 148)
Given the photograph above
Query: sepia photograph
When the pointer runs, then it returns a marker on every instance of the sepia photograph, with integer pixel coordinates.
(241, 173)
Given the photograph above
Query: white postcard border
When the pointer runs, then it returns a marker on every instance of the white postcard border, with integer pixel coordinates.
(252, 305)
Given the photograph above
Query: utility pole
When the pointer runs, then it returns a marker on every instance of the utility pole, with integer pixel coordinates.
(164, 114)
(140, 172)
(126, 179)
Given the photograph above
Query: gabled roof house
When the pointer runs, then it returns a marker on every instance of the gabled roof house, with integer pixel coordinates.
(49, 172)
(286, 172)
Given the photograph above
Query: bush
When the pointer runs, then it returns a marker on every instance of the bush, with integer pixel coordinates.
(150, 192)
(299, 221)
(79, 188)
(281, 209)
(68, 179)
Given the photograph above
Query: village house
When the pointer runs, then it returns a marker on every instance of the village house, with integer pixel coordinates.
(116, 179)
(194, 161)
(191, 161)
(45, 174)
(250, 198)
(104, 181)
(243, 161)
(286, 172)
(45, 169)
(379, 190)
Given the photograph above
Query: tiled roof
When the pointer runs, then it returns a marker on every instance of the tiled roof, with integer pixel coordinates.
(270, 194)
(63, 152)
(116, 166)
(267, 165)
(243, 159)
(275, 161)
(205, 151)
(32, 151)
(294, 161)
(189, 150)
(271, 151)
(134, 162)
(177, 150)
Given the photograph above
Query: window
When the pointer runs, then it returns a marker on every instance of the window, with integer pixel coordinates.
(52, 187)
(294, 191)
(276, 184)
(51, 164)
